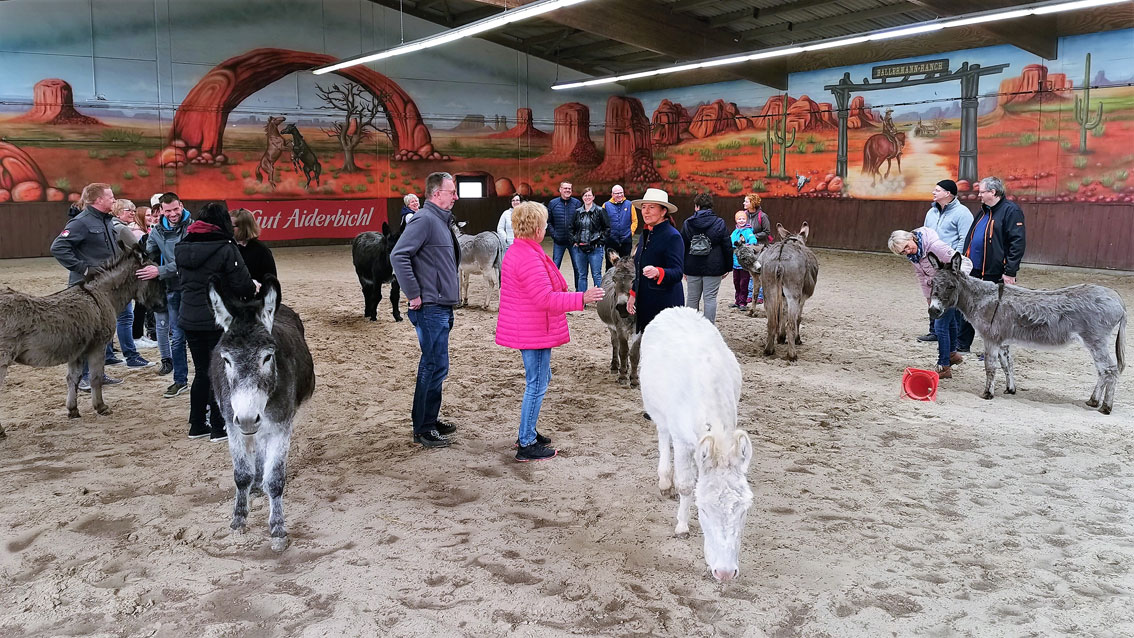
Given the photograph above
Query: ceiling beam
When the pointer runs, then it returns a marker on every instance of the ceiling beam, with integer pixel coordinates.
(749, 35)
(759, 14)
(682, 6)
(1034, 34)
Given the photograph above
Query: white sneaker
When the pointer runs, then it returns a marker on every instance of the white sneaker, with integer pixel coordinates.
(145, 343)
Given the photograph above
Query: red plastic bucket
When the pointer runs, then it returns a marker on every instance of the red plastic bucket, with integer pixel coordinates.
(920, 385)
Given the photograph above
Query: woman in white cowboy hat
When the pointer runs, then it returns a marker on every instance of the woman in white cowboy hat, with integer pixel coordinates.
(659, 260)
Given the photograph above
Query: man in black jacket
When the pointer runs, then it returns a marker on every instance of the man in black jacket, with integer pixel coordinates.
(708, 255)
(995, 243)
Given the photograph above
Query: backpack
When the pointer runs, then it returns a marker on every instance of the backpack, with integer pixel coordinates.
(700, 245)
(760, 222)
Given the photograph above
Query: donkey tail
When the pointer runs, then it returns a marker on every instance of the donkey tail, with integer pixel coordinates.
(1120, 345)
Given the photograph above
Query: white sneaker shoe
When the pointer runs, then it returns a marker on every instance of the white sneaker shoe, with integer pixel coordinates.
(145, 343)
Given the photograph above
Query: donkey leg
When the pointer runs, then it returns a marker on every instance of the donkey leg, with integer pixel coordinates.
(990, 351)
(665, 462)
(97, 365)
(635, 353)
(243, 456)
(614, 352)
(685, 478)
(1107, 369)
(622, 353)
(275, 467)
(3, 375)
(396, 298)
(790, 325)
(377, 299)
(368, 304)
(1005, 359)
(74, 375)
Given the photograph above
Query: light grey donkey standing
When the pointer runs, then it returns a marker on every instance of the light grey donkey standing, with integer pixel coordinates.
(262, 372)
(1004, 314)
(616, 284)
(480, 253)
(787, 270)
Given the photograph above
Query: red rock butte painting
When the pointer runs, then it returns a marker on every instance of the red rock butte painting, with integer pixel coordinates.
(523, 128)
(54, 103)
(198, 126)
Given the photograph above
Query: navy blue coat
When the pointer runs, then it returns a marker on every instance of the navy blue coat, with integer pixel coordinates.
(663, 248)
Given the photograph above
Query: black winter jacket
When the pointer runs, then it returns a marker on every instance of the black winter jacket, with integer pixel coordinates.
(590, 227)
(258, 259)
(719, 260)
(1004, 240)
(202, 254)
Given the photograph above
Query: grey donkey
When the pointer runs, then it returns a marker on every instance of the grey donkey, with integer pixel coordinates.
(1005, 314)
(74, 325)
(261, 372)
(787, 271)
(480, 253)
(616, 283)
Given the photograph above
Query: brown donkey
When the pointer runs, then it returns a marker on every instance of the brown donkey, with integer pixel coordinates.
(74, 324)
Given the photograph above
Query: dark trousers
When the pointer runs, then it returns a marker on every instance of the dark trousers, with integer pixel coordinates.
(740, 279)
(946, 329)
(432, 323)
(201, 397)
(623, 248)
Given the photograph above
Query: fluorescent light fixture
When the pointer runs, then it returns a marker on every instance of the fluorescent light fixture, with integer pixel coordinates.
(473, 28)
(925, 27)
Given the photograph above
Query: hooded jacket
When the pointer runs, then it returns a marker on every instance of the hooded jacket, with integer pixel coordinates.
(1003, 240)
(951, 223)
(719, 260)
(204, 252)
(160, 247)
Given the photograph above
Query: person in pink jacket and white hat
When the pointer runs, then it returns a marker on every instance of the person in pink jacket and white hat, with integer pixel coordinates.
(533, 318)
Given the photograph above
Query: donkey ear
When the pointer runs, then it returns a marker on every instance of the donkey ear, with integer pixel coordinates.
(613, 256)
(955, 262)
(270, 297)
(781, 231)
(706, 450)
(934, 261)
(742, 450)
(221, 313)
(804, 230)
(385, 228)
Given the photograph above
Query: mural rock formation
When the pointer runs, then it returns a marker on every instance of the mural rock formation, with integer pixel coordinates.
(860, 116)
(715, 118)
(1034, 84)
(20, 177)
(629, 152)
(670, 120)
(55, 104)
(805, 114)
(523, 128)
(571, 140)
(198, 126)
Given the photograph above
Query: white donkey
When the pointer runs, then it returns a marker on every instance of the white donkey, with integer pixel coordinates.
(691, 387)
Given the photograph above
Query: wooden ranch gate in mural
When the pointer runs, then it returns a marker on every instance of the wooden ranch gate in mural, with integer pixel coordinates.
(969, 77)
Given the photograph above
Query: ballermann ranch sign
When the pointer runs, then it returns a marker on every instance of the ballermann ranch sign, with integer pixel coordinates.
(909, 68)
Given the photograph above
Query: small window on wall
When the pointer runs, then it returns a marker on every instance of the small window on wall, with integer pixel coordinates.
(471, 187)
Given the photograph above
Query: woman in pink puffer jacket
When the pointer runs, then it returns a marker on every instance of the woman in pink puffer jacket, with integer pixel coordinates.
(533, 318)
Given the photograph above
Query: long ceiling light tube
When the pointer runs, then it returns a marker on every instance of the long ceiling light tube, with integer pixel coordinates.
(473, 28)
(901, 32)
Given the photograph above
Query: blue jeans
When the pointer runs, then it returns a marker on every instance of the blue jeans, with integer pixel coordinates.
(537, 374)
(171, 338)
(592, 260)
(432, 323)
(557, 251)
(126, 332)
(947, 327)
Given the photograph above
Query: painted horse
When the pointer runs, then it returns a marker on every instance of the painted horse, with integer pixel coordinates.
(880, 148)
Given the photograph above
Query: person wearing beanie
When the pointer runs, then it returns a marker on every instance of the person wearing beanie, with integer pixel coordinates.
(951, 221)
(207, 250)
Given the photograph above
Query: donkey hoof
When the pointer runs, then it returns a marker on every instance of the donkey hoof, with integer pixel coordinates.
(72, 414)
(781, 340)
(798, 341)
(633, 383)
(1105, 409)
(398, 318)
(238, 528)
(681, 533)
(1092, 402)
(623, 381)
(769, 352)
(986, 395)
(279, 543)
(104, 410)
(373, 318)
(1010, 391)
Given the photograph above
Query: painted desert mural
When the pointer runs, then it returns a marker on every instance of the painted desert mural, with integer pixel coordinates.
(1060, 130)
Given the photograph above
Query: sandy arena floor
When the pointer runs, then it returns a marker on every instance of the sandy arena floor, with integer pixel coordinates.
(873, 515)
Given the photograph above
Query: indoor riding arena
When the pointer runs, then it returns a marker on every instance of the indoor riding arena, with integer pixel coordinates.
(245, 198)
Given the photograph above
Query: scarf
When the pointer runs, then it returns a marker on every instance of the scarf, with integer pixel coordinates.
(916, 257)
(202, 227)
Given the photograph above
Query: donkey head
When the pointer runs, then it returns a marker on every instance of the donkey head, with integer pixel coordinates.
(945, 289)
(801, 236)
(723, 498)
(247, 351)
(748, 255)
(618, 282)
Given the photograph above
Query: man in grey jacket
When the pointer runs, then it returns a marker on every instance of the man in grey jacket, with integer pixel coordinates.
(164, 237)
(951, 219)
(425, 262)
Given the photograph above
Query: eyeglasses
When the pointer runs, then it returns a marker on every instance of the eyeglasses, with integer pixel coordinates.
(446, 190)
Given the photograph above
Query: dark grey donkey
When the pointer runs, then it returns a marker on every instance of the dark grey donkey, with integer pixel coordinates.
(787, 270)
(74, 325)
(262, 372)
(1004, 314)
(617, 282)
(370, 252)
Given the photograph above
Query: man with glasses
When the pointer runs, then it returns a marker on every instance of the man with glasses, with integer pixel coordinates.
(425, 262)
(560, 218)
(623, 223)
(995, 243)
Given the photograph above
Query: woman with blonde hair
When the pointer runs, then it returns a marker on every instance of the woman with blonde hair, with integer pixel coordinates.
(533, 318)
(257, 256)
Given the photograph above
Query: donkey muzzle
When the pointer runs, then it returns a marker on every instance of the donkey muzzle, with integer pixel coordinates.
(249, 424)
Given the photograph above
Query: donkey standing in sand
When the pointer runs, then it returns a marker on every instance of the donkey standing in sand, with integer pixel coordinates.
(276, 146)
(624, 342)
(262, 372)
(1005, 314)
(74, 325)
(787, 271)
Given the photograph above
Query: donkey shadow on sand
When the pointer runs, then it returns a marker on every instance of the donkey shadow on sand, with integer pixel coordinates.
(74, 325)
(1004, 314)
(787, 270)
(262, 372)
